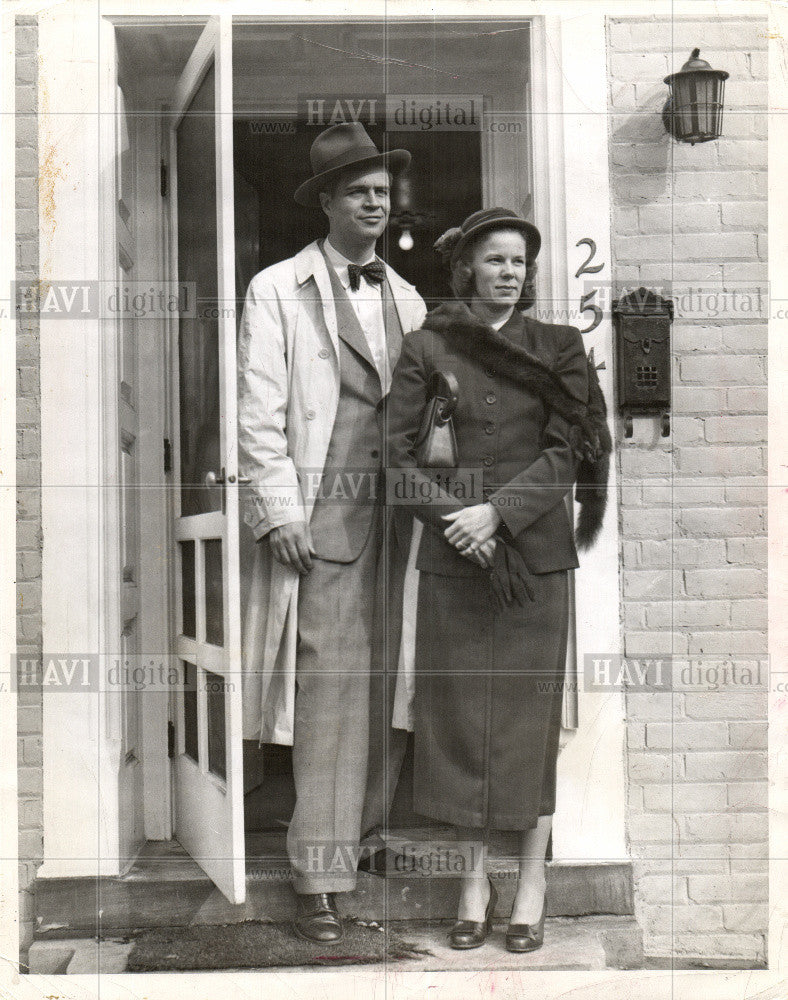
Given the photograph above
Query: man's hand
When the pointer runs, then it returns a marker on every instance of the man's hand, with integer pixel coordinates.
(486, 554)
(471, 527)
(291, 545)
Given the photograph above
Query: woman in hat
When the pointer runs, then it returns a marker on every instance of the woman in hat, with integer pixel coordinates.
(494, 555)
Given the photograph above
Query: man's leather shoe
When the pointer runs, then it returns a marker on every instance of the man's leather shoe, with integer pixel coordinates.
(317, 918)
(526, 937)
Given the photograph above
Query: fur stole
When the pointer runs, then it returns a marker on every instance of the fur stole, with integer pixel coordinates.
(589, 434)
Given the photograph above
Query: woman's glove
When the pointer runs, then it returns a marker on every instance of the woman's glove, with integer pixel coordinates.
(510, 578)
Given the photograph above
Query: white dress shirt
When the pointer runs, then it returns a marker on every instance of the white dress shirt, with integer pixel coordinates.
(367, 304)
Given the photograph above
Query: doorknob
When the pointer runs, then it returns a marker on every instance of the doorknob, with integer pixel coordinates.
(211, 479)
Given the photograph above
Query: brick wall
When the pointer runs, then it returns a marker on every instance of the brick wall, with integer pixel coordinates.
(28, 470)
(693, 511)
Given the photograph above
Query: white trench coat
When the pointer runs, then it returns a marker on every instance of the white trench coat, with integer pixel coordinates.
(288, 390)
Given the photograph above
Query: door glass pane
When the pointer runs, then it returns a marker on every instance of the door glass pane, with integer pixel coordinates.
(217, 744)
(214, 606)
(198, 342)
(190, 711)
(188, 601)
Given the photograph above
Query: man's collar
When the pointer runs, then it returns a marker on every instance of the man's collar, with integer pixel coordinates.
(340, 262)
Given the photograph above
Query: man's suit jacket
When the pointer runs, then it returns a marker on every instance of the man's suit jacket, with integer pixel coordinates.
(288, 392)
(505, 432)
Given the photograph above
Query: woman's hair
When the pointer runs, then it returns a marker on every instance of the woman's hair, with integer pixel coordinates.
(461, 271)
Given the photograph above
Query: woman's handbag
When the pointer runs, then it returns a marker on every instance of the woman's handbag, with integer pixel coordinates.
(436, 444)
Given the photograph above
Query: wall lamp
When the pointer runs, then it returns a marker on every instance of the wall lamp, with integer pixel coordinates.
(693, 112)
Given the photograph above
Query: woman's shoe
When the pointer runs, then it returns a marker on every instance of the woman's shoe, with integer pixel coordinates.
(526, 937)
(471, 933)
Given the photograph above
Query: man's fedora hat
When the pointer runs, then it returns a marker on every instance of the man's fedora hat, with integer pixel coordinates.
(343, 146)
(454, 241)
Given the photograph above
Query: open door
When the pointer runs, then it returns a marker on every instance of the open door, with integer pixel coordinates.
(207, 751)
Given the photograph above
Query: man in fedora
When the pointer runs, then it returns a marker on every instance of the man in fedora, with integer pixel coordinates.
(320, 335)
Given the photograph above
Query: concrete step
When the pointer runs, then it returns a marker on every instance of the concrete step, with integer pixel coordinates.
(577, 943)
(166, 888)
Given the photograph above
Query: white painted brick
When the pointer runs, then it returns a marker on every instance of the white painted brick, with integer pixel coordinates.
(622, 96)
(748, 496)
(700, 735)
(647, 583)
(639, 248)
(750, 614)
(718, 35)
(748, 735)
(720, 184)
(747, 399)
(749, 215)
(747, 339)
(749, 795)
(648, 705)
(687, 430)
(746, 94)
(690, 552)
(661, 889)
(656, 495)
(748, 947)
(638, 67)
(720, 460)
(683, 919)
(688, 338)
(652, 643)
(752, 276)
(688, 614)
(739, 124)
(723, 643)
(740, 765)
(736, 428)
(748, 854)
(752, 154)
(746, 917)
(688, 275)
(696, 217)
(738, 888)
(639, 188)
(739, 704)
(636, 735)
(690, 798)
(651, 827)
(734, 582)
(747, 550)
(650, 766)
(697, 399)
(744, 369)
(701, 246)
(723, 521)
(637, 462)
(658, 523)
(695, 493)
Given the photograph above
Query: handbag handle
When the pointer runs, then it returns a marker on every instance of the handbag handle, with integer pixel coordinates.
(444, 387)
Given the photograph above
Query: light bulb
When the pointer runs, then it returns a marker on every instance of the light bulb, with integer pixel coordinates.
(406, 240)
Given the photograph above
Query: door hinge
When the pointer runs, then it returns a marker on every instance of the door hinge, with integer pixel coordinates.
(163, 179)
(167, 455)
(170, 738)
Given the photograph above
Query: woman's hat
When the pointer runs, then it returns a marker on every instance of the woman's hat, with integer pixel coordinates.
(343, 146)
(454, 241)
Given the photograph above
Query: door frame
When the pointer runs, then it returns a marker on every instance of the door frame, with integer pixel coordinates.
(562, 213)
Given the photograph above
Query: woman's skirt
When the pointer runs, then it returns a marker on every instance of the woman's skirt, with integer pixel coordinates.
(489, 692)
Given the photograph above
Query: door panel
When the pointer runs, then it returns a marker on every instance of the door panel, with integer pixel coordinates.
(207, 761)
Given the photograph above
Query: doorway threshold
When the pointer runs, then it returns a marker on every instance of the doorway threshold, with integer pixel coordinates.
(166, 888)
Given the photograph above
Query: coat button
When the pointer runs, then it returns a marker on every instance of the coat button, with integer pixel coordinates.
(310, 414)
(375, 453)
(487, 460)
(489, 373)
(490, 397)
(323, 352)
(489, 428)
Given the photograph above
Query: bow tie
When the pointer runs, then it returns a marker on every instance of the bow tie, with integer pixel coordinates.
(374, 272)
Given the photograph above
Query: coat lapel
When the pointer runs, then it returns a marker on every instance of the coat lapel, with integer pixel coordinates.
(310, 263)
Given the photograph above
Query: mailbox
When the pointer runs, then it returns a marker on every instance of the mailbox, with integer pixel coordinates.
(643, 320)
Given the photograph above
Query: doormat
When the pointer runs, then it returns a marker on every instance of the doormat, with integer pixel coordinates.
(254, 944)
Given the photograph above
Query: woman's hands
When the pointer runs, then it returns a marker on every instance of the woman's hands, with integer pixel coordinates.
(471, 531)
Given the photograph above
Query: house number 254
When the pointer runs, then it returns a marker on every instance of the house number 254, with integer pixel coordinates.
(586, 305)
